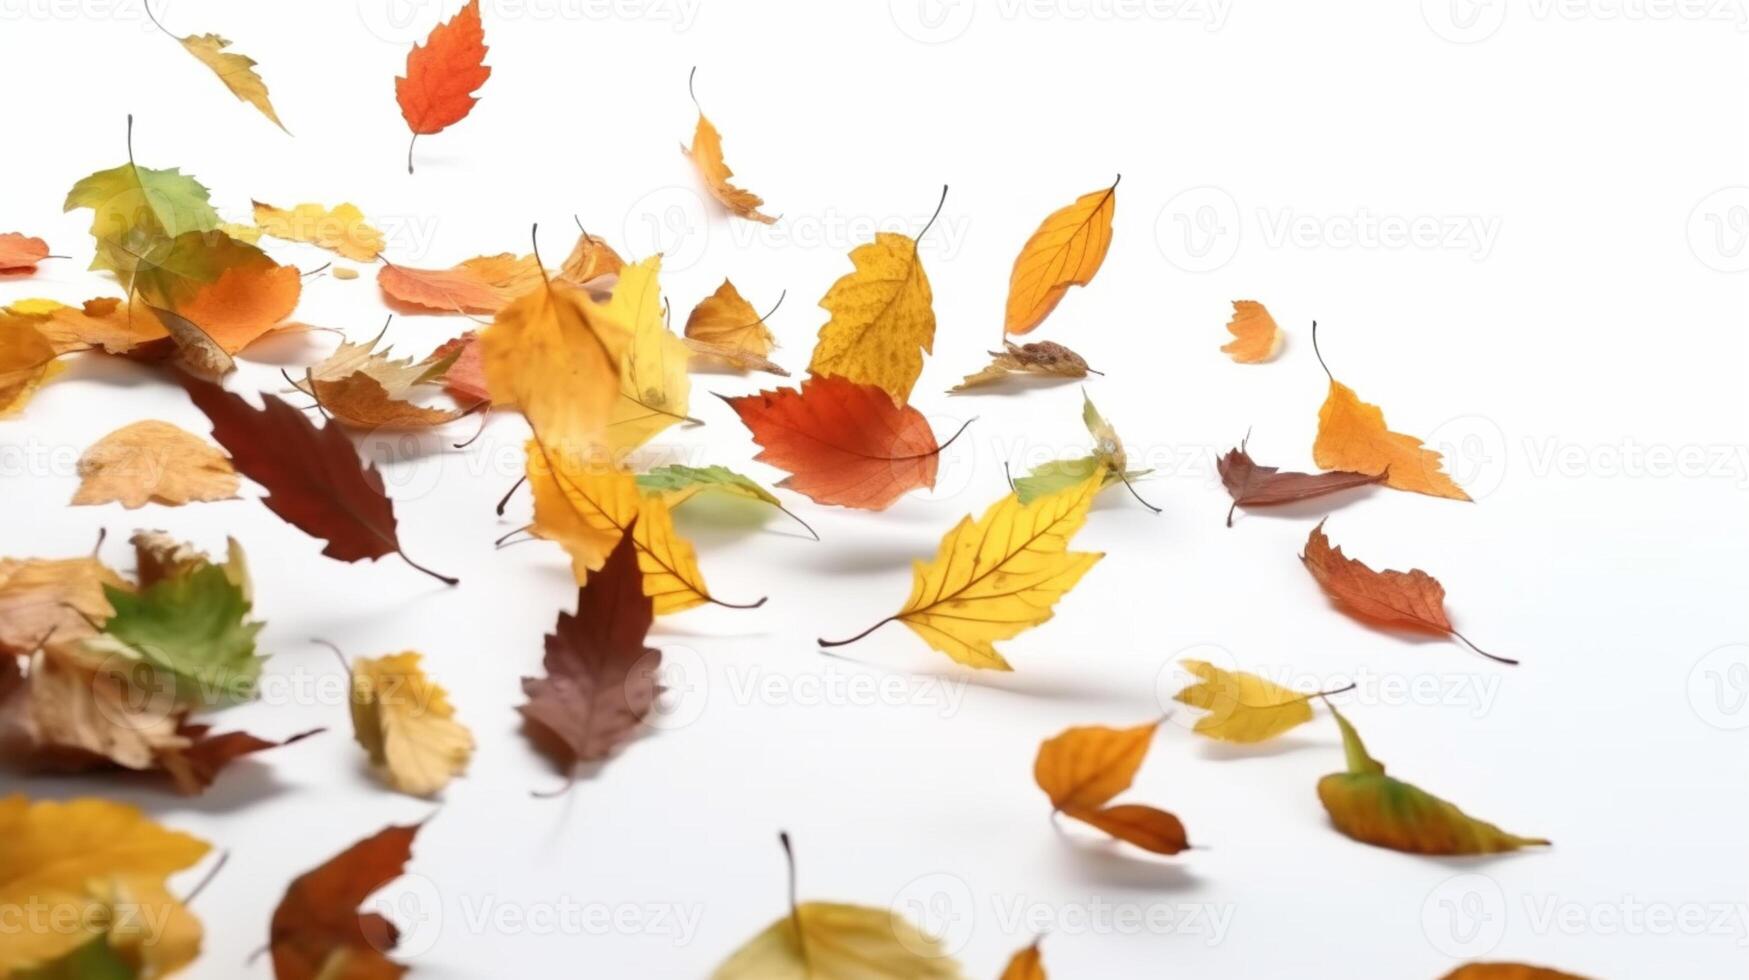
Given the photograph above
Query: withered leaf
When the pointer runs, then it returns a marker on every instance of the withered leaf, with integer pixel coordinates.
(1042, 358)
(1253, 485)
(317, 931)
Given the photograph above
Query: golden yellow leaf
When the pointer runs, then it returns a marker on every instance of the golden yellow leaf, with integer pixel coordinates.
(998, 576)
(27, 359)
(653, 385)
(706, 154)
(726, 319)
(71, 861)
(341, 230)
(52, 601)
(1242, 707)
(590, 259)
(1066, 250)
(153, 460)
(106, 322)
(555, 353)
(1352, 436)
(235, 70)
(407, 725)
(883, 320)
(1027, 964)
(1256, 338)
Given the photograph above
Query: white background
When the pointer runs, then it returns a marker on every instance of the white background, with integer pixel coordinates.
(1575, 346)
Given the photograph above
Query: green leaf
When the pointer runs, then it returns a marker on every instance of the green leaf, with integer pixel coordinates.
(93, 961)
(137, 209)
(1358, 760)
(192, 627)
(1060, 474)
(676, 484)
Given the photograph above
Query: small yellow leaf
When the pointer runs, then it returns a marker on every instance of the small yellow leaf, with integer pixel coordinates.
(883, 320)
(154, 460)
(341, 230)
(1256, 338)
(407, 725)
(725, 318)
(654, 386)
(235, 70)
(555, 353)
(1066, 250)
(1242, 707)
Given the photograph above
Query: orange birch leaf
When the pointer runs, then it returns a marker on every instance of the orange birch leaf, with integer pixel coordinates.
(1066, 250)
(1256, 338)
(1352, 436)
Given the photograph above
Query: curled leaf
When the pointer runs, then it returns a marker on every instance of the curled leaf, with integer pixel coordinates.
(1254, 485)
(1083, 768)
(406, 724)
(1256, 338)
(1352, 436)
(706, 154)
(1066, 250)
(1041, 358)
(484, 284)
(1242, 707)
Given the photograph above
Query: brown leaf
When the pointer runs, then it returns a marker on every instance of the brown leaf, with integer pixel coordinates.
(317, 930)
(601, 678)
(1041, 358)
(194, 768)
(1252, 485)
(361, 401)
(1412, 599)
(314, 478)
(153, 461)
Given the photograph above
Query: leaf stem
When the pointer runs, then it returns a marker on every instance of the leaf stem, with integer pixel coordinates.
(505, 500)
(410, 143)
(1505, 660)
(931, 223)
(1319, 354)
(871, 629)
(445, 579)
(1125, 480)
(798, 520)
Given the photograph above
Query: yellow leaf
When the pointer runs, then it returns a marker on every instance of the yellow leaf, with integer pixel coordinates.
(882, 319)
(591, 258)
(726, 319)
(1026, 965)
(1066, 250)
(706, 154)
(406, 724)
(153, 460)
(105, 322)
(1242, 707)
(653, 385)
(1083, 768)
(27, 359)
(1000, 575)
(555, 353)
(235, 70)
(52, 601)
(1352, 436)
(1256, 338)
(833, 941)
(342, 230)
(68, 862)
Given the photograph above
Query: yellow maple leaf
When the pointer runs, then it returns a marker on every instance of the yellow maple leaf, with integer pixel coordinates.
(555, 353)
(152, 460)
(998, 576)
(1352, 436)
(883, 318)
(1242, 707)
(341, 229)
(1066, 250)
(653, 384)
(71, 862)
(407, 725)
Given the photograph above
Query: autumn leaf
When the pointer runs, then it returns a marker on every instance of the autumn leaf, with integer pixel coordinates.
(406, 724)
(1083, 768)
(313, 476)
(72, 861)
(442, 75)
(1041, 358)
(601, 680)
(27, 359)
(67, 716)
(835, 941)
(318, 933)
(106, 323)
(194, 768)
(725, 327)
(1253, 485)
(398, 377)
(227, 288)
(706, 154)
(1108, 456)
(465, 377)
(588, 506)
(710, 354)
(1027, 964)
(653, 384)
(1507, 971)
(843, 443)
(1256, 338)
(45, 602)
(678, 483)
(1066, 250)
(236, 71)
(883, 320)
(21, 254)
(341, 230)
(193, 627)
(556, 354)
(153, 461)
(1352, 437)
(483, 284)
(590, 259)
(135, 210)
(1376, 809)
(1242, 707)
(1412, 599)
(998, 576)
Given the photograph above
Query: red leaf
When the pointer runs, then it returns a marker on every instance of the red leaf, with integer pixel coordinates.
(313, 476)
(442, 75)
(466, 377)
(1252, 485)
(601, 679)
(21, 254)
(844, 443)
(318, 920)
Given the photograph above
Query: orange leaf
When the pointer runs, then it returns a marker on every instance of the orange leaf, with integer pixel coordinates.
(1256, 338)
(843, 443)
(443, 74)
(1083, 768)
(21, 254)
(248, 300)
(1507, 971)
(1413, 599)
(317, 929)
(1066, 250)
(1149, 828)
(706, 154)
(485, 284)
(1352, 436)
(1026, 965)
